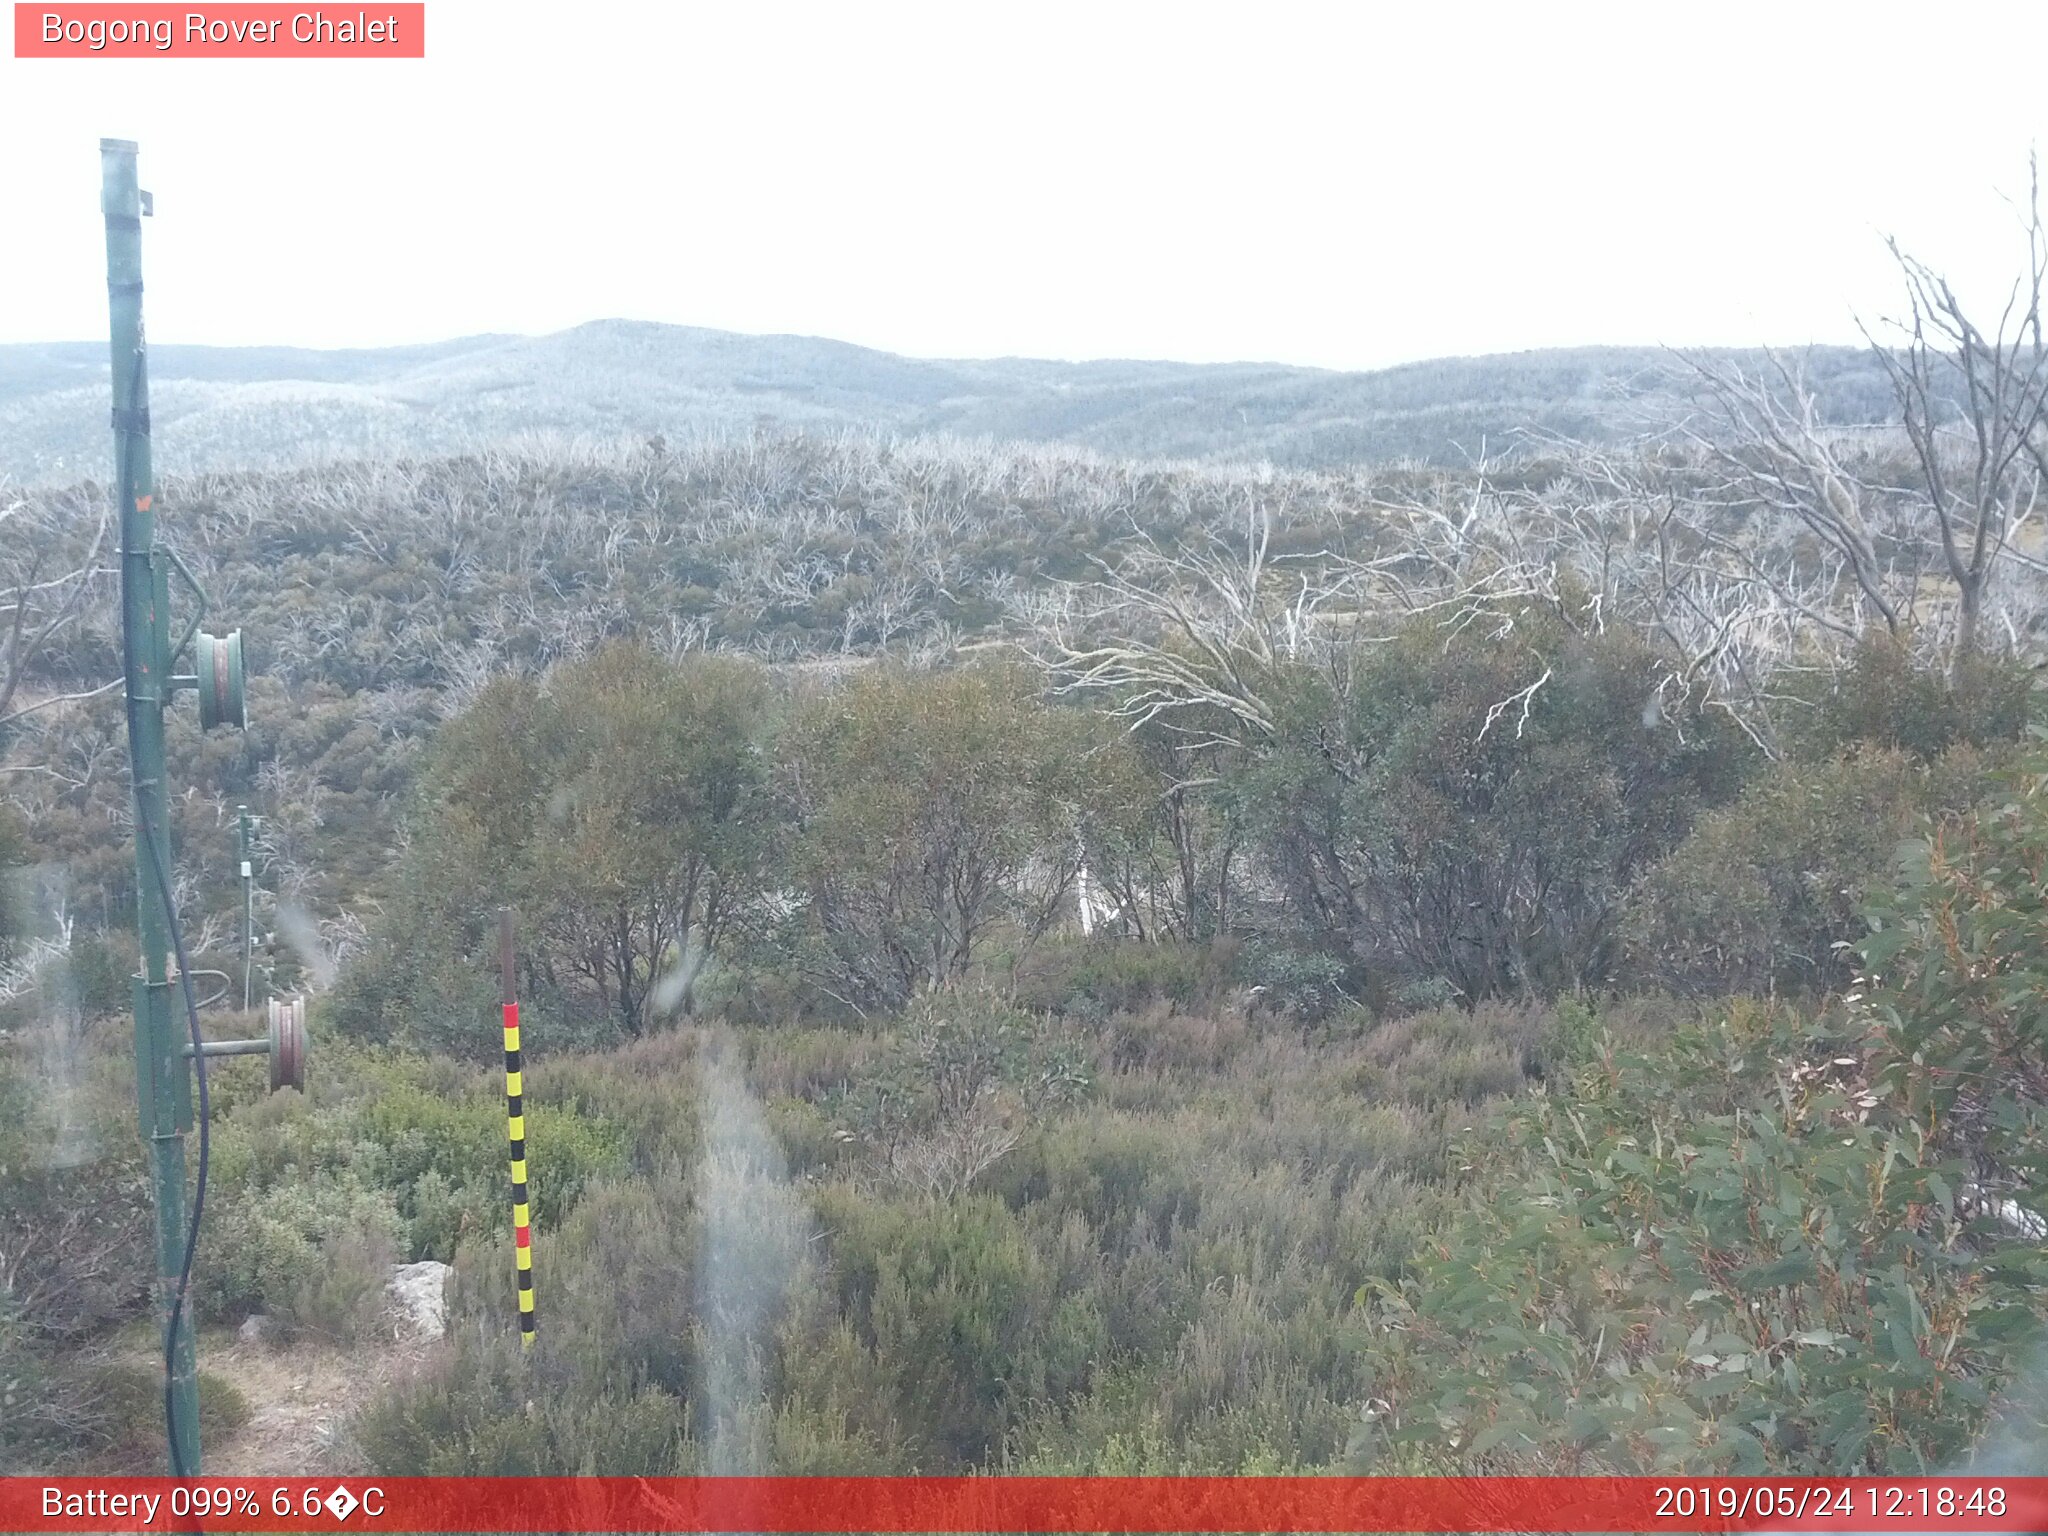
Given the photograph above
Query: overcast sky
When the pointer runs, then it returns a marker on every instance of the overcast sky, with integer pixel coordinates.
(1348, 186)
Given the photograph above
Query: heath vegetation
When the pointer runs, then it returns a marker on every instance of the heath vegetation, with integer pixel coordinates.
(1045, 963)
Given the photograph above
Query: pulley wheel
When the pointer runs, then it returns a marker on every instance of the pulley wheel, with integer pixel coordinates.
(219, 668)
(288, 1044)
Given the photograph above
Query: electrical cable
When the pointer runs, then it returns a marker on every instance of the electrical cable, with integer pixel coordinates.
(205, 1147)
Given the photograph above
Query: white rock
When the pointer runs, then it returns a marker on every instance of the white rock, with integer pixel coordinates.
(419, 1299)
(255, 1329)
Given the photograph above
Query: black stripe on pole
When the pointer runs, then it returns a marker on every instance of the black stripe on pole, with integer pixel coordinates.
(515, 1125)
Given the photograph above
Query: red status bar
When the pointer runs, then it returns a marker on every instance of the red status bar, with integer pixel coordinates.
(1002, 1504)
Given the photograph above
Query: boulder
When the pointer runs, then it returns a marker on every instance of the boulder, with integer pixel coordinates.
(419, 1300)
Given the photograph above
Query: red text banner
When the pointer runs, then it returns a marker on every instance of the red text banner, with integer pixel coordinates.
(1002, 1504)
(224, 31)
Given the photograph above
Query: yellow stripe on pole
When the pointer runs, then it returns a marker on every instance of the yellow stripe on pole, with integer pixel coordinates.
(515, 1131)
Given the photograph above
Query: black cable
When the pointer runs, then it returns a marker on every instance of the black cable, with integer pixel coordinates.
(163, 883)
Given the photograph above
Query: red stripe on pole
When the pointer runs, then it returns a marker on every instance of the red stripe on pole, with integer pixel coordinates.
(522, 1236)
(511, 1015)
(1036, 1504)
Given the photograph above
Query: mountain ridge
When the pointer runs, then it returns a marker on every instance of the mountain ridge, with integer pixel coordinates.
(263, 407)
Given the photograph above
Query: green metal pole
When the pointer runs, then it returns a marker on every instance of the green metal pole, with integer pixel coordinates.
(248, 899)
(163, 1083)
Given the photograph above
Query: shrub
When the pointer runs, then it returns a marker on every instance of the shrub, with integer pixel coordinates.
(1726, 1254)
(1094, 978)
(101, 966)
(74, 1197)
(928, 810)
(485, 1410)
(836, 1414)
(314, 1255)
(607, 1388)
(445, 1213)
(426, 1132)
(956, 1089)
(1475, 809)
(1767, 894)
(950, 1296)
(1450, 1057)
(1306, 984)
(1957, 968)
(619, 806)
(1161, 1039)
(1886, 699)
(344, 1296)
(88, 1410)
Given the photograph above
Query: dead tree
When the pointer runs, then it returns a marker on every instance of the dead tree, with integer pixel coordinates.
(1974, 404)
(1650, 541)
(1196, 635)
(1775, 456)
(41, 593)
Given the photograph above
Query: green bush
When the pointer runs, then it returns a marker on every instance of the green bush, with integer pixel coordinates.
(102, 966)
(445, 1213)
(1766, 895)
(932, 811)
(1473, 810)
(952, 1298)
(959, 1083)
(1886, 699)
(1183, 1246)
(485, 1409)
(90, 1411)
(428, 1133)
(74, 1196)
(1956, 974)
(1452, 1057)
(313, 1254)
(638, 1103)
(1729, 1254)
(1096, 977)
(223, 1408)
(1307, 984)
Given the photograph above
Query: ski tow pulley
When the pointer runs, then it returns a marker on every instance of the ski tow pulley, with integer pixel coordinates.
(288, 1044)
(219, 679)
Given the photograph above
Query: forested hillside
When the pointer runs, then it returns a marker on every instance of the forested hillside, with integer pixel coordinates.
(1040, 961)
(1035, 962)
(245, 407)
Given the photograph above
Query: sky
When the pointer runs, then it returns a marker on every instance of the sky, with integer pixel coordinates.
(1345, 186)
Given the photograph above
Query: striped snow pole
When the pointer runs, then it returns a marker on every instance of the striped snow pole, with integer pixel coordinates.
(515, 1126)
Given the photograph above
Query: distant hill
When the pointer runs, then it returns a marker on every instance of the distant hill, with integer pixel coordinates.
(256, 407)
